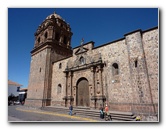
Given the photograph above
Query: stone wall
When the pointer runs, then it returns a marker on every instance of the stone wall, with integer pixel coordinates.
(58, 77)
(151, 49)
(134, 88)
(117, 87)
(36, 78)
(37, 70)
(138, 72)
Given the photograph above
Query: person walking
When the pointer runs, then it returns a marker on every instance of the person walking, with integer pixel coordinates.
(70, 109)
(101, 112)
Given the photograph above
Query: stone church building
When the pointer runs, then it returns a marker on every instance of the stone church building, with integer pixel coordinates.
(122, 73)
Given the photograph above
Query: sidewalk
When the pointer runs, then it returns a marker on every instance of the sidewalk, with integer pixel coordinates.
(37, 110)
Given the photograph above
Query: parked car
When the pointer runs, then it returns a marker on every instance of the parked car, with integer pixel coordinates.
(16, 102)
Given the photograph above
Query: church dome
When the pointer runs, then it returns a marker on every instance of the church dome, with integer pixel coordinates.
(54, 15)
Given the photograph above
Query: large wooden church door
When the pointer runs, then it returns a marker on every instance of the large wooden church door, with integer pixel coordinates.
(82, 92)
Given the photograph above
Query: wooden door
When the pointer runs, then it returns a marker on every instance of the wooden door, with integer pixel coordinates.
(83, 93)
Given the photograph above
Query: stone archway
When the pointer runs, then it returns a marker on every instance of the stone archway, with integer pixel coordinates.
(82, 93)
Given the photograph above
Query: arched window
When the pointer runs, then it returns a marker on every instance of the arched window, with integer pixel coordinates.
(38, 40)
(59, 88)
(115, 69)
(82, 60)
(57, 36)
(65, 40)
(60, 65)
(46, 35)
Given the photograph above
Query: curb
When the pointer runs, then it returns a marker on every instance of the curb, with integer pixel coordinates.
(57, 114)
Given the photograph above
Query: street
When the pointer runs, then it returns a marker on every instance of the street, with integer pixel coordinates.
(18, 113)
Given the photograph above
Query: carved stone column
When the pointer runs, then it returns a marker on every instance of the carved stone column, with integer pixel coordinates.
(98, 81)
(100, 97)
(74, 95)
(71, 80)
(93, 82)
(101, 80)
(66, 91)
(69, 88)
(93, 104)
(69, 85)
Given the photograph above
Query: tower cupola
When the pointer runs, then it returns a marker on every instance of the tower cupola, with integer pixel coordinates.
(54, 29)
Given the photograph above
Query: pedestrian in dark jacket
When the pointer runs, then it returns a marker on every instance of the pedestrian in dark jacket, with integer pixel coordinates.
(71, 109)
(101, 112)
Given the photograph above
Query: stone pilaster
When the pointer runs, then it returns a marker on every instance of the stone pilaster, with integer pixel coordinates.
(74, 95)
(93, 102)
(97, 78)
(100, 79)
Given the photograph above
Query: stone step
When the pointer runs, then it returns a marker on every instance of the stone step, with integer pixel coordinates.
(84, 111)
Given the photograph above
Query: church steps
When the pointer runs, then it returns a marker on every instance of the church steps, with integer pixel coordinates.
(80, 111)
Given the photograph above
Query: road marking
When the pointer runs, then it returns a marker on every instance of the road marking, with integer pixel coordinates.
(56, 114)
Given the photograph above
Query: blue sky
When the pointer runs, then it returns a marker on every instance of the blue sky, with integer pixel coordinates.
(101, 25)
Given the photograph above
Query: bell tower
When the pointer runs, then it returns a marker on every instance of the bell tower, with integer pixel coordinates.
(52, 43)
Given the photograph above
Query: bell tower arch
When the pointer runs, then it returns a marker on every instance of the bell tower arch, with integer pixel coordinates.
(52, 43)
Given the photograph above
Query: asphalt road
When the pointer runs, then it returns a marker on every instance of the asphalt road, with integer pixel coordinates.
(16, 113)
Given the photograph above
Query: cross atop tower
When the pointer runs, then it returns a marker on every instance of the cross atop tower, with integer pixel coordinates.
(82, 41)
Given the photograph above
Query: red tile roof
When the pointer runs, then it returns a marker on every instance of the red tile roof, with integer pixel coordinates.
(13, 83)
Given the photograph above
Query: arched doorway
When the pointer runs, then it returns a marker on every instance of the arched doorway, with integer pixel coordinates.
(82, 98)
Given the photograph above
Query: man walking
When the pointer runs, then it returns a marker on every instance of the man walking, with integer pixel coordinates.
(71, 109)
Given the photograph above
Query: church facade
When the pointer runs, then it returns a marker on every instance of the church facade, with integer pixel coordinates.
(122, 73)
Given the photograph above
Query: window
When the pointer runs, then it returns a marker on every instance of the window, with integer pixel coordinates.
(82, 60)
(40, 70)
(60, 65)
(57, 36)
(115, 69)
(45, 35)
(59, 88)
(65, 40)
(38, 40)
(135, 63)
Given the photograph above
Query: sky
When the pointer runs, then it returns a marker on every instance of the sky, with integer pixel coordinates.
(101, 25)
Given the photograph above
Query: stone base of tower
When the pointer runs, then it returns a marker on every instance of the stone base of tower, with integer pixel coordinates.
(37, 102)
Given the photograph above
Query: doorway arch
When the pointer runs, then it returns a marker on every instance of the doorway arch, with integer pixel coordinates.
(82, 92)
